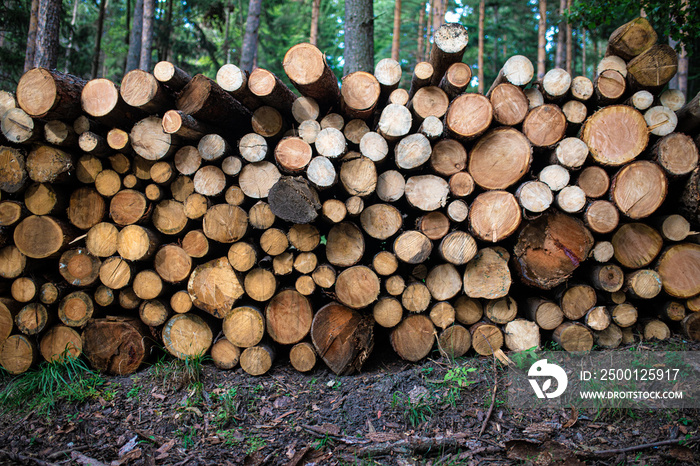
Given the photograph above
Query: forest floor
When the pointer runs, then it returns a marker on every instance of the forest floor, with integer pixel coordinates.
(393, 413)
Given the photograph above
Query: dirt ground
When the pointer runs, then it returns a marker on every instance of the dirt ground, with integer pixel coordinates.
(393, 413)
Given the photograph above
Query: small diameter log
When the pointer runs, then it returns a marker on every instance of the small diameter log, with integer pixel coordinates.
(115, 273)
(391, 186)
(631, 39)
(521, 335)
(615, 135)
(639, 188)
(456, 79)
(59, 133)
(357, 287)
(412, 247)
(86, 208)
(32, 319)
(127, 207)
(261, 216)
(292, 154)
(550, 248)
(304, 238)
(610, 86)
(422, 75)
(573, 336)
(343, 338)
(576, 300)
(661, 121)
(142, 90)
(78, 267)
(656, 330)
(412, 151)
(673, 227)
(677, 154)
(209, 181)
(305, 109)
(108, 183)
(89, 166)
(355, 130)
(170, 216)
(387, 312)
(14, 174)
(213, 147)
(288, 317)
(434, 225)
(601, 217)
(399, 97)
(545, 125)
(413, 338)
(118, 140)
(643, 284)
(101, 240)
(244, 326)
(611, 337)
(184, 126)
(510, 105)
(41, 237)
(305, 262)
(502, 310)
(24, 289)
(321, 172)
(575, 113)
(608, 277)
(594, 181)
(115, 346)
(214, 287)
(150, 141)
(653, 68)
(385, 263)
(47, 164)
(18, 354)
(479, 111)
(486, 338)
(458, 211)
(673, 311)
(673, 99)
(225, 354)
(50, 94)
(500, 158)
(257, 179)
(534, 196)
(12, 262)
(302, 356)
(432, 128)
(388, 74)
(494, 215)
(8, 311)
(257, 360)
(104, 296)
(581, 88)
(333, 120)
(59, 343)
(253, 147)
(429, 101)
(330, 143)
(555, 84)
(381, 221)
(358, 175)
(487, 275)
(324, 276)
(468, 311)
(571, 199)
(147, 285)
(395, 122)
(232, 165)
(641, 100)
(454, 342)
(691, 326)
(10, 213)
(136, 243)
(20, 128)
(260, 284)
(187, 336)
(517, 70)
(415, 298)
(270, 90)
(444, 282)
(677, 267)
(602, 252)
(242, 256)
(546, 314)
(426, 192)
(195, 244)
(101, 100)
(171, 76)
(205, 100)
(225, 223)
(294, 200)
(235, 81)
(449, 44)
(457, 247)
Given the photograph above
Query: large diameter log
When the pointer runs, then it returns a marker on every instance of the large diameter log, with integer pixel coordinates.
(343, 338)
(573, 336)
(500, 158)
(615, 135)
(256, 179)
(636, 245)
(545, 125)
(100, 99)
(487, 275)
(653, 68)
(360, 93)
(294, 200)
(631, 39)
(639, 188)
(40, 237)
(510, 105)
(244, 326)
(550, 248)
(357, 287)
(288, 317)
(214, 287)
(115, 346)
(678, 268)
(307, 69)
(413, 338)
(449, 43)
(677, 154)
(50, 94)
(150, 141)
(142, 90)
(207, 101)
(187, 336)
(14, 174)
(225, 223)
(521, 335)
(469, 116)
(270, 90)
(59, 343)
(17, 354)
(46, 164)
(494, 215)
(427, 192)
(225, 354)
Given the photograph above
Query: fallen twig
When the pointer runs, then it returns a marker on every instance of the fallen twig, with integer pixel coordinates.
(495, 388)
(24, 459)
(617, 451)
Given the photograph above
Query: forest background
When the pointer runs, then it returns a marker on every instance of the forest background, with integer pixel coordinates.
(106, 38)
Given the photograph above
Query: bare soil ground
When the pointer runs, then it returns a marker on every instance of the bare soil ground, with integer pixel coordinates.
(393, 413)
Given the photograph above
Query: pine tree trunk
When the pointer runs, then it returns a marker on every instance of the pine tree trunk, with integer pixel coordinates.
(542, 40)
(396, 39)
(359, 36)
(149, 7)
(31, 36)
(69, 46)
(98, 39)
(134, 53)
(561, 37)
(250, 39)
(315, 13)
(47, 34)
(569, 44)
(480, 57)
(421, 34)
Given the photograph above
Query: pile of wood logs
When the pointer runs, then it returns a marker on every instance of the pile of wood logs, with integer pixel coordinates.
(233, 217)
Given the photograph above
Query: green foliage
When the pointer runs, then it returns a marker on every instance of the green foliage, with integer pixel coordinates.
(69, 380)
(455, 380)
(524, 359)
(226, 406)
(415, 411)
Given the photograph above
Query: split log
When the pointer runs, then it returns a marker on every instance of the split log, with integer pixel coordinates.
(343, 338)
(500, 158)
(550, 248)
(413, 338)
(187, 336)
(214, 287)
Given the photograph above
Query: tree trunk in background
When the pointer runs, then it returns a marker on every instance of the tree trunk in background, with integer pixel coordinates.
(583, 52)
(480, 57)
(680, 80)
(359, 36)
(496, 66)
(149, 8)
(71, 33)
(438, 14)
(31, 36)
(559, 57)
(421, 33)
(132, 57)
(569, 42)
(250, 39)
(396, 39)
(315, 13)
(165, 48)
(542, 40)
(49, 19)
(429, 29)
(98, 39)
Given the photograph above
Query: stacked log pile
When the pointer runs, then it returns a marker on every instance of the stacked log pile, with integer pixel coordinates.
(230, 216)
